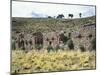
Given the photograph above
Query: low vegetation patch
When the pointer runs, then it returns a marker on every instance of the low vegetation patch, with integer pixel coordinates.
(42, 61)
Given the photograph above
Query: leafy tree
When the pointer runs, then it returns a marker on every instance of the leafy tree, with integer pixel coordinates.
(80, 15)
(60, 16)
(49, 17)
(70, 15)
(63, 38)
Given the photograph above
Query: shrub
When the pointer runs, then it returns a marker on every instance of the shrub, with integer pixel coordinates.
(57, 47)
(65, 39)
(93, 43)
(13, 45)
(49, 48)
(70, 44)
(81, 47)
(39, 46)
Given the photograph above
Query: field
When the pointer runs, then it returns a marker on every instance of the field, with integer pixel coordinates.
(42, 61)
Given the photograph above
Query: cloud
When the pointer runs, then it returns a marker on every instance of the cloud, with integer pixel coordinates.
(38, 15)
(89, 12)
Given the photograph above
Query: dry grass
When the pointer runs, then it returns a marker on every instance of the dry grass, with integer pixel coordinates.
(42, 61)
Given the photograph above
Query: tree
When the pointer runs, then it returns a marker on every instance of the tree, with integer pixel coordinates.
(70, 44)
(70, 15)
(49, 17)
(60, 16)
(80, 15)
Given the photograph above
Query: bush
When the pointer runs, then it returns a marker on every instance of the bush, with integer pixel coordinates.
(65, 39)
(49, 48)
(70, 44)
(13, 45)
(82, 48)
(93, 43)
(39, 46)
(57, 47)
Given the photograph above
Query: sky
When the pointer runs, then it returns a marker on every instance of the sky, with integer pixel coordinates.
(37, 10)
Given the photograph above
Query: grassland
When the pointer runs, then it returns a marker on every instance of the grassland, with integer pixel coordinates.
(45, 25)
(42, 61)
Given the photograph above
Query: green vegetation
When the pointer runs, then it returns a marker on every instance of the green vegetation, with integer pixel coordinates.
(33, 25)
(93, 42)
(70, 44)
(81, 47)
(50, 48)
(39, 46)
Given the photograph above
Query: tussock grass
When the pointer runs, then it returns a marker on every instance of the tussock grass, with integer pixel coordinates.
(42, 61)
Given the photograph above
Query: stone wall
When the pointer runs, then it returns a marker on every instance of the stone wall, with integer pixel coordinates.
(28, 41)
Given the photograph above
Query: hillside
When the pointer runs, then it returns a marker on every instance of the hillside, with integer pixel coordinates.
(81, 31)
(32, 25)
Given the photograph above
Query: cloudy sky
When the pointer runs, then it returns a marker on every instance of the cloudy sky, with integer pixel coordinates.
(28, 9)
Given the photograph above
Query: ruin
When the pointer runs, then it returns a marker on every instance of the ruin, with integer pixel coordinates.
(27, 41)
(55, 33)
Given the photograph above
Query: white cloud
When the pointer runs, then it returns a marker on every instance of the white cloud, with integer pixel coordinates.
(25, 9)
(38, 15)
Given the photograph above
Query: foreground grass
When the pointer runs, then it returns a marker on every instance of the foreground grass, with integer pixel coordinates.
(42, 61)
